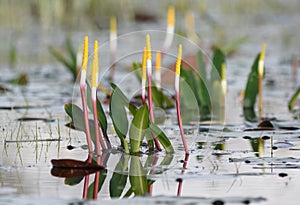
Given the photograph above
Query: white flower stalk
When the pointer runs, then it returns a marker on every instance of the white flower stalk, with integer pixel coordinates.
(149, 73)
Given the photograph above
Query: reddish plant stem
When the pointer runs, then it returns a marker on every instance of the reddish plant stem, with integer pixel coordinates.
(157, 145)
(86, 119)
(180, 122)
(179, 189)
(99, 139)
(86, 180)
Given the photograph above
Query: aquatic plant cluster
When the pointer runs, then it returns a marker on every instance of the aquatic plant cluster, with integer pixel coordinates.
(209, 90)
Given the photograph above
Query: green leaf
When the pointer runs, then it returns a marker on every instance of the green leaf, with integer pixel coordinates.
(119, 178)
(216, 71)
(119, 117)
(73, 181)
(162, 138)
(138, 177)
(203, 84)
(122, 97)
(251, 92)
(138, 128)
(137, 68)
(293, 100)
(77, 117)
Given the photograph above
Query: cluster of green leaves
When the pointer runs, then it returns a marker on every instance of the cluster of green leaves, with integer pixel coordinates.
(251, 92)
(207, 91)
(70, 62)
(128, 169)
(139, 129)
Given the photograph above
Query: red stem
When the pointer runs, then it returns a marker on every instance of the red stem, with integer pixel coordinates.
(157, 145)
(99, 140)
(179, 189)
(86, 181)
(180, 123)
(86, 119)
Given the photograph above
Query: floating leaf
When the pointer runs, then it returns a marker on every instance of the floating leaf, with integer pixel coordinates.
(138, 128)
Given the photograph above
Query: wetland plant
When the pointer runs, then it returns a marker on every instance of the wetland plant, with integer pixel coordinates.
(254, 88)
(142, 125)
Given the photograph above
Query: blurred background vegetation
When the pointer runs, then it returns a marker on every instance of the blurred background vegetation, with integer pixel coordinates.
(28, 27)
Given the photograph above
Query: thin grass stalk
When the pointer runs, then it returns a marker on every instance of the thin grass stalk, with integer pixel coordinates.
(177, 79)
(149, 72)
(95, 70)
(260, 79)
(83, 94)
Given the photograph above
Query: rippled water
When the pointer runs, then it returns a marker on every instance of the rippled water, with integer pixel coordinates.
(225, 167)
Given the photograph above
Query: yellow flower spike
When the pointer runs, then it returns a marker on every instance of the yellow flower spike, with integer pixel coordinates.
(178, 62)
(261, 60)
(95, 67)
(171, 16)
(158, 61)
(148, 47)
(85, 53)
(113, 24)
(144, 64)
(223, 72)
(189, 21)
